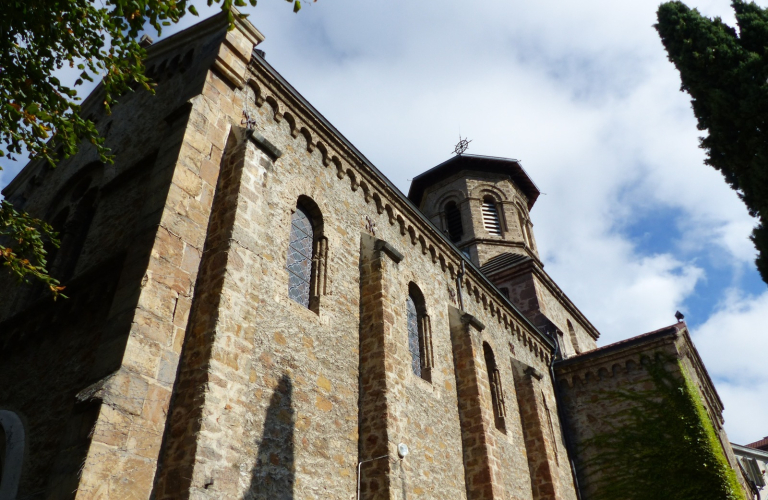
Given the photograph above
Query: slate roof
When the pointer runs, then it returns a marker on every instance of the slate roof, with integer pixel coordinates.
(477, 163)
(503, 261)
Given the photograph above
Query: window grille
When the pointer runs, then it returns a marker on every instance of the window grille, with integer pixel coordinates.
(453, 220)
(299, 263)
(491, 217)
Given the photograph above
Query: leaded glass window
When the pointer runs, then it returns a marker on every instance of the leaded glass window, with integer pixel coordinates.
(413, 336)
(300, 257)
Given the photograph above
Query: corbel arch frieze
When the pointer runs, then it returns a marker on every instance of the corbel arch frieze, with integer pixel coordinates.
(366, 191)
(291, 121)
(353, 182)
(304, 131)
(301, 123)
(325, 156)
(258, 93)
(277, 115)
(401, 222)
(379, 205)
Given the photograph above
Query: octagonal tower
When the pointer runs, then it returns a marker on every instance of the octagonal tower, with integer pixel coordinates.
(481, 203)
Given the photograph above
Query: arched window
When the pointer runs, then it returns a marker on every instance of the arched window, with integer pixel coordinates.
(419, 333)
(497, 394)
(12, 453)
(491, 216)
(307, 255)
(453, 221)
(574, 340)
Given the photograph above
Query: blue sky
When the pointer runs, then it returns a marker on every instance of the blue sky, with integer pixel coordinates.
(633, 225)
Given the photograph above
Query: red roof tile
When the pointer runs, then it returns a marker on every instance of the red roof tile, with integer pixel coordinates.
(759, 445)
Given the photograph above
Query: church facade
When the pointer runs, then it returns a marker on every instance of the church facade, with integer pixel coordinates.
(256, 312)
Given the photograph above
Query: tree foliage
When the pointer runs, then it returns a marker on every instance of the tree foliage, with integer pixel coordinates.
(725, 71)
(40, 115)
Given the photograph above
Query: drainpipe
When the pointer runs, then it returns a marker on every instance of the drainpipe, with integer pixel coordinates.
(459, 277)
(561, 414)
(359, 464)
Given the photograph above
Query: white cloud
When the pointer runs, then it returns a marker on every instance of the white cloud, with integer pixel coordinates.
(732, 344)
(583, 94)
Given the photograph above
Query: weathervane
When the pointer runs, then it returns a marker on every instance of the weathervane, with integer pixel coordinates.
(461, 146)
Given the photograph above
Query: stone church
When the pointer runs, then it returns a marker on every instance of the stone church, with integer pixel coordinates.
(256, 312)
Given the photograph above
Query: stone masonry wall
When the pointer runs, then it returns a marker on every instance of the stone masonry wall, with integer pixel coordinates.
(586, 386)
(93, 396)
(304, 367)
(271, 399)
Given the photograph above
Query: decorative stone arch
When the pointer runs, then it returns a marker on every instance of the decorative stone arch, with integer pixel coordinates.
(13, 441)
(454, 195)
(482, 191)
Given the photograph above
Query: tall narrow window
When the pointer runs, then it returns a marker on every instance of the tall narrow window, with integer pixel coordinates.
(300, 257)
(491, 216)
(453, 220)
(497, 393)
(419, 333)
(307, 255)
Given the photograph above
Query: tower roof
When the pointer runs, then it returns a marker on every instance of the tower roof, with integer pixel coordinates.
(490, 164)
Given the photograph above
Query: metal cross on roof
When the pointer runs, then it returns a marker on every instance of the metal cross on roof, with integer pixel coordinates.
(461, 146)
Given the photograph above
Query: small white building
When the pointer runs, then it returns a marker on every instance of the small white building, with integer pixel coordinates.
(753, 459)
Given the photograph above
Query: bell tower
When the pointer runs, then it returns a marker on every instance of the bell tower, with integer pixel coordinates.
(481, 203)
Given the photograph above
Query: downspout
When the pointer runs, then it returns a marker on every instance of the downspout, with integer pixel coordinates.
(561, 414)
(459, 277)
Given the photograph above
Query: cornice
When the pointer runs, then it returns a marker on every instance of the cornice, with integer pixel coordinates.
(336, 152)
(535, 267)
(595, 364)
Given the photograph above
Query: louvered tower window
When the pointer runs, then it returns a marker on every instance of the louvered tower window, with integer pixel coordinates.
(453, 220)
(491, 217)
(300, 257)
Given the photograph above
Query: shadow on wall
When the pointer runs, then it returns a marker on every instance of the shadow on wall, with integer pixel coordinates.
(273, 475)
